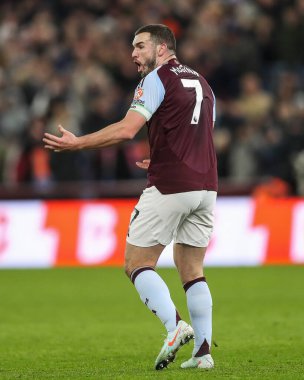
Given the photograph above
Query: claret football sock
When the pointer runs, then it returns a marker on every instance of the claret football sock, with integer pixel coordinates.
(199, 303)
(155, 295)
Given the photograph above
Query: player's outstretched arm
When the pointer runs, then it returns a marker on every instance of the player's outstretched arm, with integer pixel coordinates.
(113, 134)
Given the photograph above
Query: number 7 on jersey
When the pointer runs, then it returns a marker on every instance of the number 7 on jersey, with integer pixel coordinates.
(194, 83)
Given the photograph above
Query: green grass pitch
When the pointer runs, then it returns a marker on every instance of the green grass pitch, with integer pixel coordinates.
(75, 323)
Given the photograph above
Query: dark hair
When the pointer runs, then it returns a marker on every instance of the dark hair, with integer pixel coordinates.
(159, 34)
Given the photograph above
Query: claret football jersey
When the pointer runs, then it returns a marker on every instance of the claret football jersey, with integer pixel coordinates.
(179, 107)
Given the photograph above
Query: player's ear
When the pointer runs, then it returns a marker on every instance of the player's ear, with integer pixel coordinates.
(161, 49)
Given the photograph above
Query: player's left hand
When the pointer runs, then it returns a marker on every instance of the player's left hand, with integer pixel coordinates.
(144, 164)
(68, 141)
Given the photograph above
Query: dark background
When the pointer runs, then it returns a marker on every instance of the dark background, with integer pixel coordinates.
(69, 62)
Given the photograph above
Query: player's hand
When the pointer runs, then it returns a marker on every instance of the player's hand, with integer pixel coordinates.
(68, 141)
(144, 164)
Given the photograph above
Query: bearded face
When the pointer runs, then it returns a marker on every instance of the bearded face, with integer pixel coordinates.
(144, 54)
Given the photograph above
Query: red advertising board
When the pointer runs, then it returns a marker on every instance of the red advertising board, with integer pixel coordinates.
(90, 233)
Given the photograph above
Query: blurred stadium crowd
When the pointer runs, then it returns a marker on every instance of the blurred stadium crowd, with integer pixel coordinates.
(69, 62)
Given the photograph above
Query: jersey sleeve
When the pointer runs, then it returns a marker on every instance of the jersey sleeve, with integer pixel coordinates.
(148, 95)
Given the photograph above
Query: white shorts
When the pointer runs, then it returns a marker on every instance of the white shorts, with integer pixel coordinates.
(183, 217)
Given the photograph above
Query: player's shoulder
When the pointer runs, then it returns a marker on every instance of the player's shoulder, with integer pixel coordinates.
(174, 69)
(151, 77)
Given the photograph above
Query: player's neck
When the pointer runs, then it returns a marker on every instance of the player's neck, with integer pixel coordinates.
(166, 59)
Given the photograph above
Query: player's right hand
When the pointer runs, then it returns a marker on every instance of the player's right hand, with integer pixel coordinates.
(144, 164)
(68, 141)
